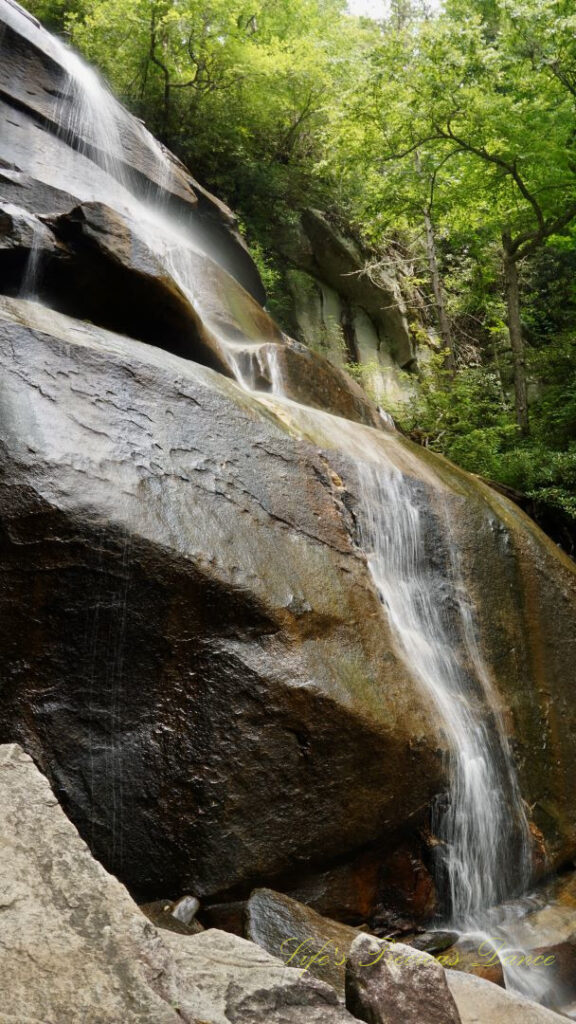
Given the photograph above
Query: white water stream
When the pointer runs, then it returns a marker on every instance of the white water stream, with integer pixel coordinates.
(483, 827)
(482, 823)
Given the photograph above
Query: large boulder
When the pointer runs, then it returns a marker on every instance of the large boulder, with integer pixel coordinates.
(242, 984)
(75, 947)
(193, 647)
(481, 1002)
(521, 594)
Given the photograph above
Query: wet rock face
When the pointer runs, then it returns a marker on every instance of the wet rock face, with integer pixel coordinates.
(47, 150)
(120, 234)
(201, 671)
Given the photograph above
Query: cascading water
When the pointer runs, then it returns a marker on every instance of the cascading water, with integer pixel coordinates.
(482, 825)
(485, 856)
(405, 530)
(92, 122)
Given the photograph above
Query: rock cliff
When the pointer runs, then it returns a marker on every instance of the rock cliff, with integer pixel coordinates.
(193, 646)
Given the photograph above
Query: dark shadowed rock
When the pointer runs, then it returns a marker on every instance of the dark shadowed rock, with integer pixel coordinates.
(226, 917)
(386, 984)
(406, 891)
(347, 891)
(299, 936)
(202, 666)
(162, 914)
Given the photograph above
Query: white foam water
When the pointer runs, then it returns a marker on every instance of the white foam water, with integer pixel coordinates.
(482, 824)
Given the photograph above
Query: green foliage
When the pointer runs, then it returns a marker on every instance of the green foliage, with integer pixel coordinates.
(469, 418)
(272, 278)
(237, 89)
(363, 374)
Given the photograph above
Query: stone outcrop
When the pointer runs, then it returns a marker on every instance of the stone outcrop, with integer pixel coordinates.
(201, 671)
(388, 983)
(204, 626)
(342, 309)
(117, 231)
(193, 647)
(75, 947)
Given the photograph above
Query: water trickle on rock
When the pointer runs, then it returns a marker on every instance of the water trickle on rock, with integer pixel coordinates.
(481, 823)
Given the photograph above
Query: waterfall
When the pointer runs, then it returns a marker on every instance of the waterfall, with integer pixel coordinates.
(405, 530)
(483, 827)
(481, 824)
(93, 122)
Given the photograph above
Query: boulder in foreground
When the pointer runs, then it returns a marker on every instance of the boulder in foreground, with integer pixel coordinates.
(76, 949)
(387, 983)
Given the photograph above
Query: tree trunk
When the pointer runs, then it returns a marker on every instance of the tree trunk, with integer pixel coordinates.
(436, 280)
(515, 334)
(437, 288)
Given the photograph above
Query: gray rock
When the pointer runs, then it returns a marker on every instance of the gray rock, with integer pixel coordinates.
(76, 949)
(300, 936)
(387, 983)
(74, 946)
(185, 909)
(481, 1002)
(245, 985)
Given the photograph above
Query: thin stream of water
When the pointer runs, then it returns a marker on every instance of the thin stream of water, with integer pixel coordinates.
(483, 825)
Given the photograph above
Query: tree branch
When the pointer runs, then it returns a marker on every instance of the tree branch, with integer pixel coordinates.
(511, 169)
